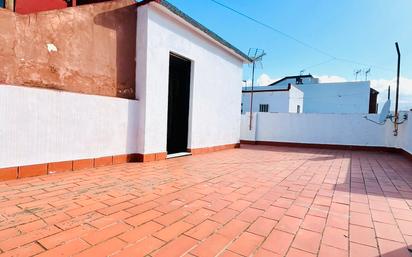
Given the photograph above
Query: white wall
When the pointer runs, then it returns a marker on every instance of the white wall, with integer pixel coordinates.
(345, 97)
(278, 101)
(296, 97)
(405, 134)
(337, 129)
(215, 88)
(42, 126)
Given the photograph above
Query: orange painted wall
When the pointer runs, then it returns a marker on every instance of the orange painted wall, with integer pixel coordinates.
(91, 49)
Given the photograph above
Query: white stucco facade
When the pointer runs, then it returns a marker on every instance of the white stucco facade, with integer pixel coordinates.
(43, 126)
(286, 100)
(215, 94)
(311, 96)
(342, 97)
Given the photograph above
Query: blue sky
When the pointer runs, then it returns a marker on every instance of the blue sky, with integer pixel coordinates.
(362, 31)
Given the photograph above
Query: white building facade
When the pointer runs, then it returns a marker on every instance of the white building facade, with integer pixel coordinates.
(307, 95)
(213, 118)
(273, 99)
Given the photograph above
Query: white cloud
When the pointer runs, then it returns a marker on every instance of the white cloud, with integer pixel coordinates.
(265, 80)
(262, 80)
(405, 89)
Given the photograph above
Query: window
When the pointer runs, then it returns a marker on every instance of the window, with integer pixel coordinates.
(263, 108)
(298, 109)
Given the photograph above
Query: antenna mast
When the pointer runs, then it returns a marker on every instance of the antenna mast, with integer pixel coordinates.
(356, 73)
(256, 56)
(367, 73)
(389, 92)
(395, 132)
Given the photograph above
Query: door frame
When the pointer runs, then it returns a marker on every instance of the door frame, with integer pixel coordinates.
(190, 105)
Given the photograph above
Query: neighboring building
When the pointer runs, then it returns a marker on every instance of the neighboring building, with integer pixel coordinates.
(340, 97)
(273, 99)
(174, 107)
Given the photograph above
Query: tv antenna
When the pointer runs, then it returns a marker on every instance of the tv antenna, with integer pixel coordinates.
(256, 57)
(367, 72)
(356, 73)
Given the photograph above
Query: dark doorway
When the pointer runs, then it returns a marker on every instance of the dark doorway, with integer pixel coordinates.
(178, 107)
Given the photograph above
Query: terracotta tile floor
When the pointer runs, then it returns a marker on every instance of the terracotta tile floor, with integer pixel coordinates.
(253, 201)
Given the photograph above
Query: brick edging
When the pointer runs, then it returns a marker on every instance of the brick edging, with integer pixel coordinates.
(73, 165)
(58, 167)
(203, 150)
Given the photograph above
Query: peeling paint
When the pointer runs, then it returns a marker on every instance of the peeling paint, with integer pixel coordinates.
(51, 48)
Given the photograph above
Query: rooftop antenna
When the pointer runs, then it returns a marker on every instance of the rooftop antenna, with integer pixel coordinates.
(367, 73)
(389, 92)
(256, 57)
(356, 73)
(245, 81)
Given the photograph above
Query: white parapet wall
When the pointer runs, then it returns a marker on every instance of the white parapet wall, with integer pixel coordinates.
(42, 126)
(327, 129)
(405, 135)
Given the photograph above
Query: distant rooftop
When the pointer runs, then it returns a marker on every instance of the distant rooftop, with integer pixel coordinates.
(287, 82)
(291, 77)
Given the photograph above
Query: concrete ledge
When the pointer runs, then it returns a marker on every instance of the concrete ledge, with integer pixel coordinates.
(331, 146)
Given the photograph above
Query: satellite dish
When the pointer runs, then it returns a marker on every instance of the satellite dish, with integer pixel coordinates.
(385, 111)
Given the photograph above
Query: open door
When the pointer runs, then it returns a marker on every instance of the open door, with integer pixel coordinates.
(178, 106)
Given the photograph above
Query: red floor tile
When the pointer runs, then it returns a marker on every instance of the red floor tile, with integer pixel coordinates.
(254, 201)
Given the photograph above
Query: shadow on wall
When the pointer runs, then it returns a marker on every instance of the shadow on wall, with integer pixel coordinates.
(124, 22)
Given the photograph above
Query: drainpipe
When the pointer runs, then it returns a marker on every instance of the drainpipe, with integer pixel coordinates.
(395, 132)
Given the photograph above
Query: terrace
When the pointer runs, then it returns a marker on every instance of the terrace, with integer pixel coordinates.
(252, 201)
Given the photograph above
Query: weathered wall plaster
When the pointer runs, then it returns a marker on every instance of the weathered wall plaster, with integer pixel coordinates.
(87, 49)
